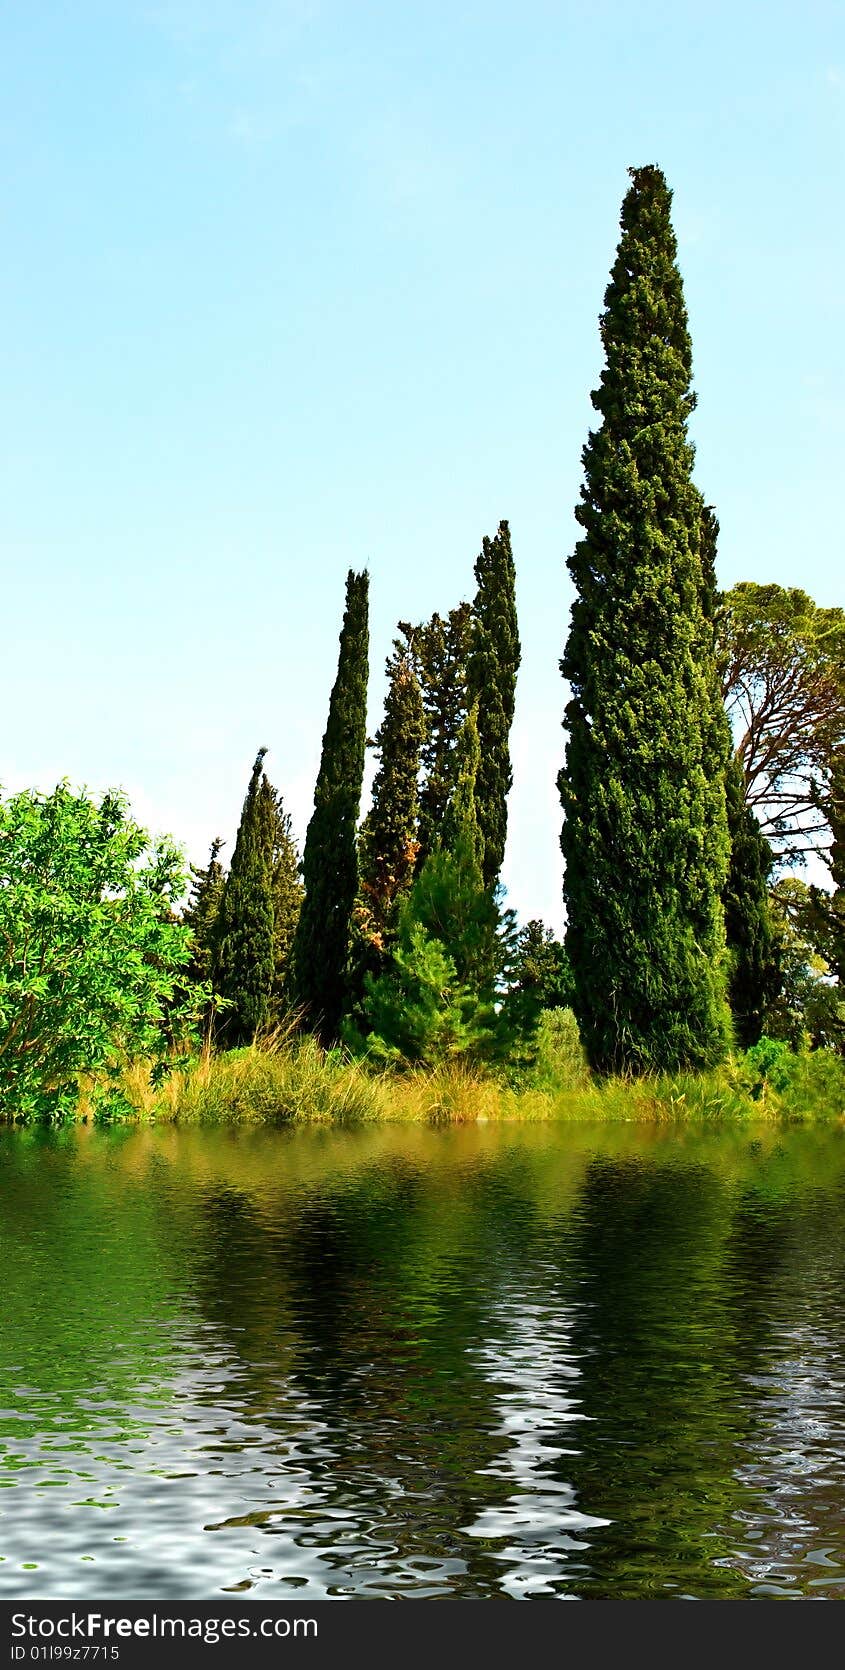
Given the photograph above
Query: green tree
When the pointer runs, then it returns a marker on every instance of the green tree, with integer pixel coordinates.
(286, 892)
(754, 976)
(808, 1009)
(541, 970)
(440, 649)
(836, 862)
(443, 994)
(494, 656)
(461, 824)
(203, 909)
(243, 957)
(388, 843)
(645, 833)
(95, 970)
(782, 661)
(330, 861)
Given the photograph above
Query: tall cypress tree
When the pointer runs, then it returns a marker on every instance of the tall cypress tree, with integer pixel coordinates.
(491, 683)
(461, 824)
(440, 650)
(330, 861)
(753, 963)
(243, 961)
(645, 833)
(388, 844)
(286, 892)
(203, 909)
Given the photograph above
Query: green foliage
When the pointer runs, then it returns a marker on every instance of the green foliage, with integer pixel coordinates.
(645, 831)
(461, 822)
(419, 1010)
(388, 842)
(559, 1060)
(541, 968)
(492, 666)
(203, 910)
(95, 960)
(440, 648)
(808, 1010)
(441, 996)
(243, 957)
(286, 892)
(330, 861)
(754, 977)
(782, 660)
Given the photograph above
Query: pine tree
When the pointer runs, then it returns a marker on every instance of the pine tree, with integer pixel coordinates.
(753, 965)
(645, 833)
(388, 844)
(440, 649)
(491, 682)
(243, 960)
(286, 891)
(330, 862)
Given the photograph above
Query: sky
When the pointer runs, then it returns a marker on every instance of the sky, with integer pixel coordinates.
(290, 286)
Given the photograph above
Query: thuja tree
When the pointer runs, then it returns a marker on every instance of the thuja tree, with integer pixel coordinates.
(330, 862)
(243, 958)
(491, 683)
(753, 965)
(95, 966)
(388, 844)
(645, 835)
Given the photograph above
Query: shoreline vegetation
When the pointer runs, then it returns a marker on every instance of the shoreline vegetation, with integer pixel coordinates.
(287, 1078)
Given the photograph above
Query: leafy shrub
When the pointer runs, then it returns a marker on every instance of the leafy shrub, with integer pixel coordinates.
(94, 970)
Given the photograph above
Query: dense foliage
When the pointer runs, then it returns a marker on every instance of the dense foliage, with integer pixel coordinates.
(243, 934)
(754, 978)
(330, 860)
(645, 832)
(94, 972)
(389, 843)
(492, 666)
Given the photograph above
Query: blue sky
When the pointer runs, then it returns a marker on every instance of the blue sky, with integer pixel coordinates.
(292, 286)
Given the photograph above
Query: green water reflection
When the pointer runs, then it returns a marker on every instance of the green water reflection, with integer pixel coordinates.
(525, 1362)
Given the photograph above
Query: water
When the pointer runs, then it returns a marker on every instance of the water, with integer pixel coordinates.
(522, 1362)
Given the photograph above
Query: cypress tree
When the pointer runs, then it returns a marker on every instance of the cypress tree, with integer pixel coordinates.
(753, 964)
(330, 861)
(286, 893)
(388, 844)
(645, 833)
(491, 683)
(203, 909)
(440, 649)
(461, 825)
(243, 961)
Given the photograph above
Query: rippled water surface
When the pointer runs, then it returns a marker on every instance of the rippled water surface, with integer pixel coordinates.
(502, 1361)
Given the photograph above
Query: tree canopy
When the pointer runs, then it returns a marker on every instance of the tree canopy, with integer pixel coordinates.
(782, 661)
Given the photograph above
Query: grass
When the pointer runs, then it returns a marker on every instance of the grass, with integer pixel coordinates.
(287, 1078)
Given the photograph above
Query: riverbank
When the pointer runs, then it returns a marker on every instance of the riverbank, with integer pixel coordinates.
(291, 1080)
